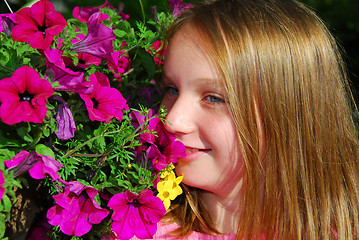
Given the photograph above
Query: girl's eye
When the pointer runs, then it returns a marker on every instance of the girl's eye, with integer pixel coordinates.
(172, 90)
(214, 99)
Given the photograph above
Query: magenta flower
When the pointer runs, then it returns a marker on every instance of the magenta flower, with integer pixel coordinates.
(69, 80)
(178, 6)
(23, 97)
(105, 102)
(84, 60)
(2, 181)
(38, 25)
(76, 210)
(122, 63)
(159, 52)
(65, 120)
(84, 13)
(98, 41)
(38, 165)
(39, 230)
(164, 148)
(136, 215)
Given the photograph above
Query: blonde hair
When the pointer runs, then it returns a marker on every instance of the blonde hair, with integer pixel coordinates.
(301, 181)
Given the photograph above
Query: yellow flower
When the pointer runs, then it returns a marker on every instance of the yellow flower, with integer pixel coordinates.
(168, 188)
(166, 192)
(176, 181)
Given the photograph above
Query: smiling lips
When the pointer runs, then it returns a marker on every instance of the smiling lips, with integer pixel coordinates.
(193, 153)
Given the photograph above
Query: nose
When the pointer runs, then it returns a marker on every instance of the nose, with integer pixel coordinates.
(180, 117)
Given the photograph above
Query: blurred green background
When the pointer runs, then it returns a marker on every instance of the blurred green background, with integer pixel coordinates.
(341, 16)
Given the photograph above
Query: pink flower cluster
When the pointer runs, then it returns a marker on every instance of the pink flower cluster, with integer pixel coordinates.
(161, 149)
(24, 95)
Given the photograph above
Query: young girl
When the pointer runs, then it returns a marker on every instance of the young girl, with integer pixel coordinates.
(257, 93)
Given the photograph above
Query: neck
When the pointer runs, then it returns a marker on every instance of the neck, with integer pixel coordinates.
(224, 211)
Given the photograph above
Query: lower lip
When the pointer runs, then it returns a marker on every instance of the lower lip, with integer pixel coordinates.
(193, 155)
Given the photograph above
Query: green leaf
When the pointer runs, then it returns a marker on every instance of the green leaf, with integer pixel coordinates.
(23, 131)
(5, 203)
(2, 225)
(6, 154)
(119, 33)
(44, 150)
(46, 132)
(148, 63)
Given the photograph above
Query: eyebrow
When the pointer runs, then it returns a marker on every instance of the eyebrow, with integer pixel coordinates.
(212, 81)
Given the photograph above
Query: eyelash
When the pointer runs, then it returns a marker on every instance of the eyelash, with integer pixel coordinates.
(170, 90)
(214, 99)
(209, 98)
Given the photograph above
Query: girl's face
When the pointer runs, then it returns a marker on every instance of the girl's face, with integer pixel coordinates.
(199, 117)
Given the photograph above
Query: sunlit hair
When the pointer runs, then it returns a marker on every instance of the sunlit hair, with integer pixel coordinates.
(301, 157)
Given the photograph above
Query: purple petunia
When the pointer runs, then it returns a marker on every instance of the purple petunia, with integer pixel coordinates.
(98, 41)
(76, 210)
(136, 215)
(7, 23)
(178, 6)
(65, 120)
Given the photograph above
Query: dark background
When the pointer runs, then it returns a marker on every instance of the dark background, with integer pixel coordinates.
(341, 16)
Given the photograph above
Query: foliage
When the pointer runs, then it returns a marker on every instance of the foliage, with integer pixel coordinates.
(96, 131)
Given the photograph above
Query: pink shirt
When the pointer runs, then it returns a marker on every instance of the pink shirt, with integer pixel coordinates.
(164, 229)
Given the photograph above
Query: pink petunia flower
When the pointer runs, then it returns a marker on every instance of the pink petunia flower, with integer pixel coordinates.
(136, 215)
(2, 181)
(69, 80)
(76, 210)
(121, 62)
(159, 52)
(98, 41)
(178, 6)
(105, 102)
(38, 24)
(38, 165)
(84, 60)
(23, 97)
(164, 148)
(84, 13)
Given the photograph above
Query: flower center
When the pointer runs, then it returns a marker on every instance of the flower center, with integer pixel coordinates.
(135, 203)
(42, 29)
(95, 103)
(81, 61)
(166, 194)
(26, 96)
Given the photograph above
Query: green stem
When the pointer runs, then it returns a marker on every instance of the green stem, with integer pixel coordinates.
(82, 145)
(37, 138)
(143, 11)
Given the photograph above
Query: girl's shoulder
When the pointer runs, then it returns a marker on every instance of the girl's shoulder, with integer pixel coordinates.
(163, 230)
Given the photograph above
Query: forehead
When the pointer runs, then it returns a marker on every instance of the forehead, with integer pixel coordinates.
(186, 49)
